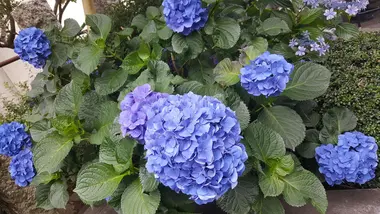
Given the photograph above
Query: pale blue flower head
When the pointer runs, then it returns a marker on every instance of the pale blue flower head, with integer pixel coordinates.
(21, 168)
(13, 138)
(193, 146)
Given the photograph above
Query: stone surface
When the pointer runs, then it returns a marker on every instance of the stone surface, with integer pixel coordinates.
(101, 5)
(356, 201)
(35, 13)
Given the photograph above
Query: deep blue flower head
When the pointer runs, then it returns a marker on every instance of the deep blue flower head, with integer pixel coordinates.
(13, 138)
(354, 159)
(185, 16)
(192, 145)
(266, 75)
(21, 168)
(133, 111)
(33, 46)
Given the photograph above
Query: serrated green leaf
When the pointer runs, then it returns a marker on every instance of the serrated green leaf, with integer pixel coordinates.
(268, 205)
(264, 143)
(336, 121)
(65, 126)
(274, 26)
(68, 100)
(226, 33)
(148, 181)
(39, 130)
(115, 200)
(132, 63)
(135, 201)
(347, 31)
(110, 81)
(139, 21)
(311, 142)
(144, 51)
(283, 49)
(285, 122)
(51, 151)
(285, 165)
(163, 77)
(270, 184)
(58, 195)
(107, 154)
(100, 24)
(258, 46)
(59, 54)
(91, 101)
(227, 72)
(44, 178)
(88, 58)
(70, 28)
(240, 199)
(124, 150)
(189, 86)
(126, 32)
(149, 32)
(308, 16)
(308, 81)
(165, 33)
(42, 197)
(243, 115)
(97, 181)
(192, 45)
(301, 186)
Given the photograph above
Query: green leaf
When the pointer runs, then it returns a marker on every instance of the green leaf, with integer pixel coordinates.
(65, 126)
(268, 205)
(42, 197)
(302, 186)
(311, 142)
(58, 54)
(285, 122)
(126, 32)
(243, 115)
(58, 195)
(135, 201)
(149, 32)
(179, 43)
(163, 77)
(336, 121)
(132, 63)
(259, 46)
(270, 184)
(274, 26)
(308, 81)
(107, 154)
(264, 142)
(240, 199)
(227, 72)
(51, 151)
(152, 12)
(100, 24)
(97, 181)
(144, 51)
(226, 33)
(44, 178)
(283, 49)
(91, 101)
(71, 28)
(68, 100)
(310, 15)
(314, 32)
(115, 200)
(191, 45)
(347, 31)
(148, 181)
(165, 33)
(88, 59)
(284, 165)
(110, 81)
(39, 130)
(139, 21)
(124, 150)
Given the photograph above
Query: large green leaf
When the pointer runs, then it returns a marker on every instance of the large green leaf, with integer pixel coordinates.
(308, 16)
(97, 181)
(110, 81)
(58, 195)
(88, 58)
(308, 81)
(285, 122)
(336, 121)
(135, 201)
(100, 24)
(42, 197)
(152, 12)
(132, 63)
(40, 129)
(191, 45)
(68, 100)
(51, 151)
(165, 33)
(139, 21)
(271, 184)
(274, 26)
(240, 199)
(91, 101)
(58, 54)
(163, 77)
(226, 33)
(70, 28)
(149, 32)
(311, 142)
(148, 181)
(283, 166)
(268, 205)
(243, 115)
(347, 31)
(227, 72)
(124, 150)
(107, 154)
(258, 46)
(264, 142)
(44, 178)
(302, 186)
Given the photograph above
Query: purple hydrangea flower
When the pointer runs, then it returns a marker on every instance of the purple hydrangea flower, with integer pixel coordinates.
(330, 13)
(293, 43)
(21, 168)
(352, 10)
(301, 51)
(185, 16)
(13, 138)
(354, 159)
(133, 111)
(193, 146)
(33, 46)
(266, 75)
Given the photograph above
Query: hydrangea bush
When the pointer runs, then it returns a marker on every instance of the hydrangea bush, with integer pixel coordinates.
(191, 103)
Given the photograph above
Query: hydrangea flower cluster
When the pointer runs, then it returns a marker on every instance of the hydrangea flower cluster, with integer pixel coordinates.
(305, 45)
(192, 146)
(185, 16)
(13, 138)
(266, 75)
(351, 7)
(33, 46)
(21, 168)
(354, 159)
(134, 106)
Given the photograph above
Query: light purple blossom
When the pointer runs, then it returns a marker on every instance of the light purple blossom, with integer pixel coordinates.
(352, 10)
(330, 13)
(314, 47)
(293, 43)
(301, 51)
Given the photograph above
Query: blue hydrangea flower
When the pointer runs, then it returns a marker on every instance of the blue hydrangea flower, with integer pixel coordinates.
(21, 168)
(33, 46)
(185, 16)
(354, 159)
(192, 146)
(13, 138)
(266, 75)
(133, 111)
